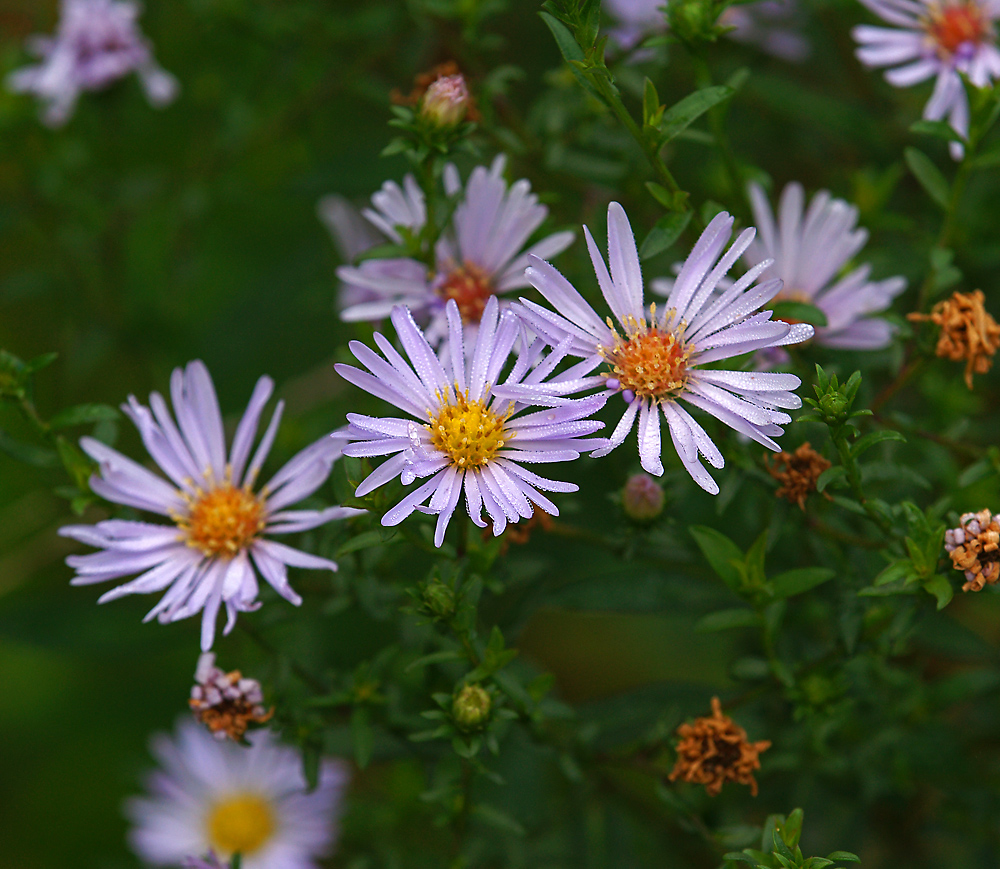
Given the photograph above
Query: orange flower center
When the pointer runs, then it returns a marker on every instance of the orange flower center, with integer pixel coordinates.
(952, 25)
(650, 361)
(223, 521)
(471, 289)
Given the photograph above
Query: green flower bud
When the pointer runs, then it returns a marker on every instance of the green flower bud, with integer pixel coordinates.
(438, 599)
(834, 406)
(471, 708)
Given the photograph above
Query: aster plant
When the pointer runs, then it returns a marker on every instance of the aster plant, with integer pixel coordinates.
(658, 358)
(218, 534)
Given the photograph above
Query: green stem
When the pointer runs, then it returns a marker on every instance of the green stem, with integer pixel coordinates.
(854, 478)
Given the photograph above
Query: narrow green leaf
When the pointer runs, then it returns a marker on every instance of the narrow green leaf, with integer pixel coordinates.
(497, 818)
(721, 553)
(567, 43)
(875, 437)
(40, 362)
(940, 129)
(725, 619)
(830, 475)
(797, 581)
(366, 540)
(434, 658)
(941, 588)
(84, 413)
(844, 857)
(650, 104)
(30, 454)
(928, 175)
(664, 233)
(683, 113)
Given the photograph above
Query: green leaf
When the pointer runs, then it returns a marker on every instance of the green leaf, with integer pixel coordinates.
(362, 736)
(802, 312)
(844, 857)
(664, 233)
(830, 475)
(721, 553)
(725, 619)
(30, 454)
(651, 114)
(941, 588)
(940, 129)
(791, 830)
(902, 569)
(875, 437)
(366, 540)
(742, 857)
(661, 195)
(40, 362)
(683, 113)
(434, 658)
(84, 413)
(497, 818)
(797, 581)
(928, 175)
(568, 46)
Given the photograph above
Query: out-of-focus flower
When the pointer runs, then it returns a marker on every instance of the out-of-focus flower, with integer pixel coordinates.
(968, 332)
(797, 473)
(768, 25)
(209, 861)
(974, 548)
(226, 703)
(424, 81)
(714, 750)
(809, 251)
(221, 798)
(657, 360)
(218, 523)
(471, 708)
(468, 436)
(446, 102)
(940, 39)
(642, 498)
(96, 43)
(480, 257)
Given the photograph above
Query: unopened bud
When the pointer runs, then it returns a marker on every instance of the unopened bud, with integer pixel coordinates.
(471, 708)
(834, 406)
(642, 498)
(446, 101)
(438, 599)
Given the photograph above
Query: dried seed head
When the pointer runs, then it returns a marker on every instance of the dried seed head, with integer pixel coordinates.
(967, 332)
(797, 472)
(974, 548)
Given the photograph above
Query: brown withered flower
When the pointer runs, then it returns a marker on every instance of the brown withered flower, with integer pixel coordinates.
(521, 533)
(967, 332)
(974, 548)
(424, 80)
(714, 750)
(797, 472)
(226, 703)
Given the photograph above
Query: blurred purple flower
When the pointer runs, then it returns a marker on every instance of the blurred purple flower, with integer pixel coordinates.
(96, 43)
(218, 521)
(935, 39)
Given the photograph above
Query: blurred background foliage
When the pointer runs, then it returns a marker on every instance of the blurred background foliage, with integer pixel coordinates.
(133, 240)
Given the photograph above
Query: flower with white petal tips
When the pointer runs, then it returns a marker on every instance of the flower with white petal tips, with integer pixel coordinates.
(205, 558)
(97, 42)
(468, 438)
(654, 360)
(481, 256)
(218, 798)
(935, 39)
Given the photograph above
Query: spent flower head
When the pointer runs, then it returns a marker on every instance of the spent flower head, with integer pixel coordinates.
(968, 332)
(974, 547)
(226, 703)
(219, 525)
(658, 358)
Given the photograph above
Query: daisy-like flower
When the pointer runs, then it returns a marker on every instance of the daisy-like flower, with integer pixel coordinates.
(205, 555)
(936, 39)
(219, 799)
(655, 360)
(468, 437)
(97, 42)
(482, 255)
(767, 24)
(808, 251)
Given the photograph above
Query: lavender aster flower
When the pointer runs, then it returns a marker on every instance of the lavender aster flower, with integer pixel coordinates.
(481, 256)
(468, 437)
(206, 556)
(655, 361)
(219, 799)
(935, 39)
(97, 42)
(808, 253)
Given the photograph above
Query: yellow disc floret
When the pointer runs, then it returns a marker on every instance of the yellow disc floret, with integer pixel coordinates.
(468, 432)
(651, 361)
(222, 521)
(240, 824)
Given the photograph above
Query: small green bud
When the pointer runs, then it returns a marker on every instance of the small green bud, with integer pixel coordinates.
(642, 498)
(471, 708)
(834, 406)
(438, 599)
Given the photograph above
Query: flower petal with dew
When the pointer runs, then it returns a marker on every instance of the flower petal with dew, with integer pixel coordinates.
(96, 43)
(481, 254)
(466, 438)
(218, 798)
(939, 39)
(205, 557)
(655, 359)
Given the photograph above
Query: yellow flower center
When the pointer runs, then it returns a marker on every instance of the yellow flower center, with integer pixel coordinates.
(649, 361)
(241, 823)
(471, 289)
(952, 24)
(469, 433)
(223, 521)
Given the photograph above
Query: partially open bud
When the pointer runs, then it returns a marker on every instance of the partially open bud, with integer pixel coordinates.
(446, 102)
(226, 703)
(642, 498)
(471, 708)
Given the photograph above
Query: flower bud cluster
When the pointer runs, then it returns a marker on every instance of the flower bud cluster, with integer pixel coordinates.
(226, 703)
(974, 547)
